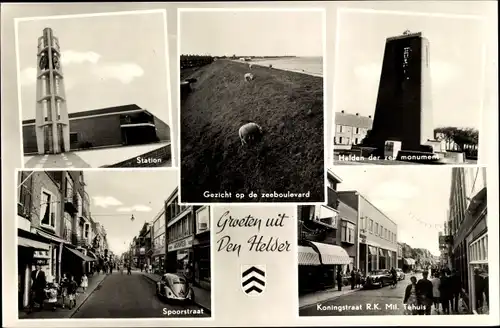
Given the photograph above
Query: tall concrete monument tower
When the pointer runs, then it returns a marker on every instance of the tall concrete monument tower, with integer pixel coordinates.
(52, 121)
(403, 111)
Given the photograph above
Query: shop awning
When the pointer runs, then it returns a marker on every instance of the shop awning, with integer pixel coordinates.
(80, 255)
(381, 252)
(409, 261)
(30, 243)
(372, 250)
(51, 237)
(181, 257)
(92, 254)
(389, 253)
(332, 254)
(477, 200)
(308, 256)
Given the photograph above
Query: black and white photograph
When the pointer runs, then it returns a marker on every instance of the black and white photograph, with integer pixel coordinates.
(93, 90)
(251, 110)
(100, 244)
(401, 240)
(421, 77)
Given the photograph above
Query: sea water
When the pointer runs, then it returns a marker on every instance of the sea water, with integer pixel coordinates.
(306, 65)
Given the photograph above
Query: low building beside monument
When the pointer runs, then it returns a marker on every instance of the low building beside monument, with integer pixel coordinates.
(350, 129)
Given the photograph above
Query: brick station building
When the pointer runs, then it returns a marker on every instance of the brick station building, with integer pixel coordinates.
(106, 127)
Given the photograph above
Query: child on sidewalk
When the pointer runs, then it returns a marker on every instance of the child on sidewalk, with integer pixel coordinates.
(72, 287)
(85, 282)
(64, 289)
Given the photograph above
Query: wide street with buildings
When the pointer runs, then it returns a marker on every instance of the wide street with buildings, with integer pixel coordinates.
(351, 234)
(379, 301)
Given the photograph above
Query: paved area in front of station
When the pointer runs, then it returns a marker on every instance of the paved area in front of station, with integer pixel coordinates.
(63, 160)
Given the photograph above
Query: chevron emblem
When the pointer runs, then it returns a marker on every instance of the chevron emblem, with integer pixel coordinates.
(253, 279)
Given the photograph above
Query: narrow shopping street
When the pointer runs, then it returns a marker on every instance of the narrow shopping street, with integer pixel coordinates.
(132, 296)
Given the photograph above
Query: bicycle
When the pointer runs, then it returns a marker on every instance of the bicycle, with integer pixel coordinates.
(394, 282)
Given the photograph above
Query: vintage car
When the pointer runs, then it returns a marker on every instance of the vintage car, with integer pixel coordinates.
(401, 274)
(174, 288)
(378, 278)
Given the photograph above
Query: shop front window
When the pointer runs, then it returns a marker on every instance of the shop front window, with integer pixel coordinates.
(479, 273)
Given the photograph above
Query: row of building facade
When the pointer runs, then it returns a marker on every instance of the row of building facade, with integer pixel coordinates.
(464, 239)
(176, 239)
(55, 228)
(351, 129)
(348, 233)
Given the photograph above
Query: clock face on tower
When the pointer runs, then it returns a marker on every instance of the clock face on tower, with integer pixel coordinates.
(43, 63)
(55, 61)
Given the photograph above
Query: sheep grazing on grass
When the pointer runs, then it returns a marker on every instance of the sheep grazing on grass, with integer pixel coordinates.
(248, 77)
(250, 134)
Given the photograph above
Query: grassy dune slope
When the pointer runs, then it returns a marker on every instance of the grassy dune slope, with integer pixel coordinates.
(288, 106)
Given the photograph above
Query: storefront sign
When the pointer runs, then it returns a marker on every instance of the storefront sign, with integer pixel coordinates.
(203, 220)
(181, 244)
(41, 262)
(41, 254)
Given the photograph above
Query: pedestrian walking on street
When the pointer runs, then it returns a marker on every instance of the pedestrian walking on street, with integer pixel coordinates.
(424, 294)
(436, 283)
(456, 288)
(129, 270)
(51, 292)
(85, 282)
(353, 278)
(479, 286)
(394, 275)
(64, 289)
(411, 300)
(72, 288)
(339, 279)
(446, 291)
(38, 284)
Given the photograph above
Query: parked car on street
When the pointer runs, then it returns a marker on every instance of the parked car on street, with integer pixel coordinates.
(174, 288)
(401, 274)
(378, 279)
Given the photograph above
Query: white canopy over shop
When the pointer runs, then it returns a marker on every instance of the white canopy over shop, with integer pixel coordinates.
(308, 256)
(332, 254)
